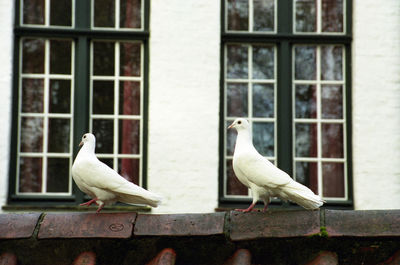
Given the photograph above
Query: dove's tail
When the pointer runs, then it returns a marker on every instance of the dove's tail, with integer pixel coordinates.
(302, 195)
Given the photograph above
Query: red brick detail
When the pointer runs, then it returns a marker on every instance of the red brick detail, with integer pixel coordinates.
(324, 258)
(240, 257)
(179, 224)
(371, 223)
(165, 257)
(8, 259)
(87, 225)
(253, 225)
(393, 260)
(18, 225)
(85, 258)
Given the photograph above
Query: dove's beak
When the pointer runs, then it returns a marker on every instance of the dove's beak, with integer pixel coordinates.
(81, 143)
(230, 126)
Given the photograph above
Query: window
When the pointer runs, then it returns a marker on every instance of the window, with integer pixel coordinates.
(286, 68)
(79, 66)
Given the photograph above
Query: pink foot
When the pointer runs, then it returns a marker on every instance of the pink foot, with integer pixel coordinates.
(100, 207)
(89, 202)
(265, 208)
(248, 209)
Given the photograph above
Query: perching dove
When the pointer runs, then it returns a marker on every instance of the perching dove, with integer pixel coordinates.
(263, 178)
(103, 184)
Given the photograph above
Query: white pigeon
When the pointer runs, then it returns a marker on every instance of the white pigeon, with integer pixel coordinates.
(263, 178)
(103, 184)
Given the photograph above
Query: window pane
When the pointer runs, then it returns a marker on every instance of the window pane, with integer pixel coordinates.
(237, 99)
(104, 132)
(263, 62)
(333, 179)
(60, 57)
(32, 56)
(332, 140)
(306, 15)
(306, 140)
(263, 15)
(306, 101)
(130, 14)
(129, 169)
(307, 174)
(129, 136)
(233, 185)
(331, 63)
(237, 62)
(238, 15)
(305, 63)
(104, 13)
(332, 101)
(31, 134)
(32, 95)
(332, 15)
(263, 138)
(129, 98)
(57, 174)
(103, 97)
(263, 100)
(60, 12)
(33, 12)
(108, 161)
(103, 58)
(129, 59)
(230, 139)
(30, 174)
(60, 96)
(58, 138)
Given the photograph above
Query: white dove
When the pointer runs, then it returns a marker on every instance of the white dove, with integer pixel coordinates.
(263, 178)
(103, 184)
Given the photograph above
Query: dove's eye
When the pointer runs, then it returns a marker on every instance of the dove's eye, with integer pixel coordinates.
(239, 122)
(84, 136)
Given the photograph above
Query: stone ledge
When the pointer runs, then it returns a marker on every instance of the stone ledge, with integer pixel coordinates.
(14, 226)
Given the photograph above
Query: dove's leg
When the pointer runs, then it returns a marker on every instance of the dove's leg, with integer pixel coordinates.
(89, 202)
(266, 203)
(248, 209)
(100, 207)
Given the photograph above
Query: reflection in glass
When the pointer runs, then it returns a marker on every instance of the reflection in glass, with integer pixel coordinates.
(236, 99)
(103, 58)
(104, 132)
(129, 169)
(57, 175)
(104, 13)
(263, 138)
(263, 15)
(305, 62)
(230, 139)
(332, 16)
(129, 98)
(233, 185)
(331, 102)
(60, 96)
(263, 62)
(129, 137)
(307, 174)
(58, 135)
(238, 15)
(33, 56)
(331, 63)
(130, 14)
(306, 101)
(263, 100)
(103, 97)
(31, 134)
(32, 95)
(237, 62)
(306, 16)
(60, 57)
(333, 179)
(129, 59)
(332, 140)
(30, 174)
(306, 140)
(60, 12)
(33, 12)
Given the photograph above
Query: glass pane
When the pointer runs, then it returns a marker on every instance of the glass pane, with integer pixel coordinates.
(31, 134)
(60, 12)
(32, 95)
(332, 15)
(60, 96)
(233, 185)
(129, 98)
(332, 140)
(59, 131)
(332, 101)
(263, 15)
(305, 62)
(57, 174)
(129, 136)
(104, 13)
(238, 15)
(130, 14)
(306, 15)
(32, 56)
(331, 63)
(307, 174)
(60, 57)
(129, 59)
(104, 132)
(237, 99)
(263, 100)
(103, 97)
(333, 179)
(33, 12)
(129, 169)
(231, 135)
(306, 140)
(103, 58)
(263, 138)
(30, 174)
(108, 161)
(306, 101)
(237, 62)
(263, 62)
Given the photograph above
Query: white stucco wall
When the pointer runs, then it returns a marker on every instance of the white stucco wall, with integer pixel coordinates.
(376, 104)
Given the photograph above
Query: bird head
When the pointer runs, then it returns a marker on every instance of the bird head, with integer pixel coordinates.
(239, 124)
(86, 138)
